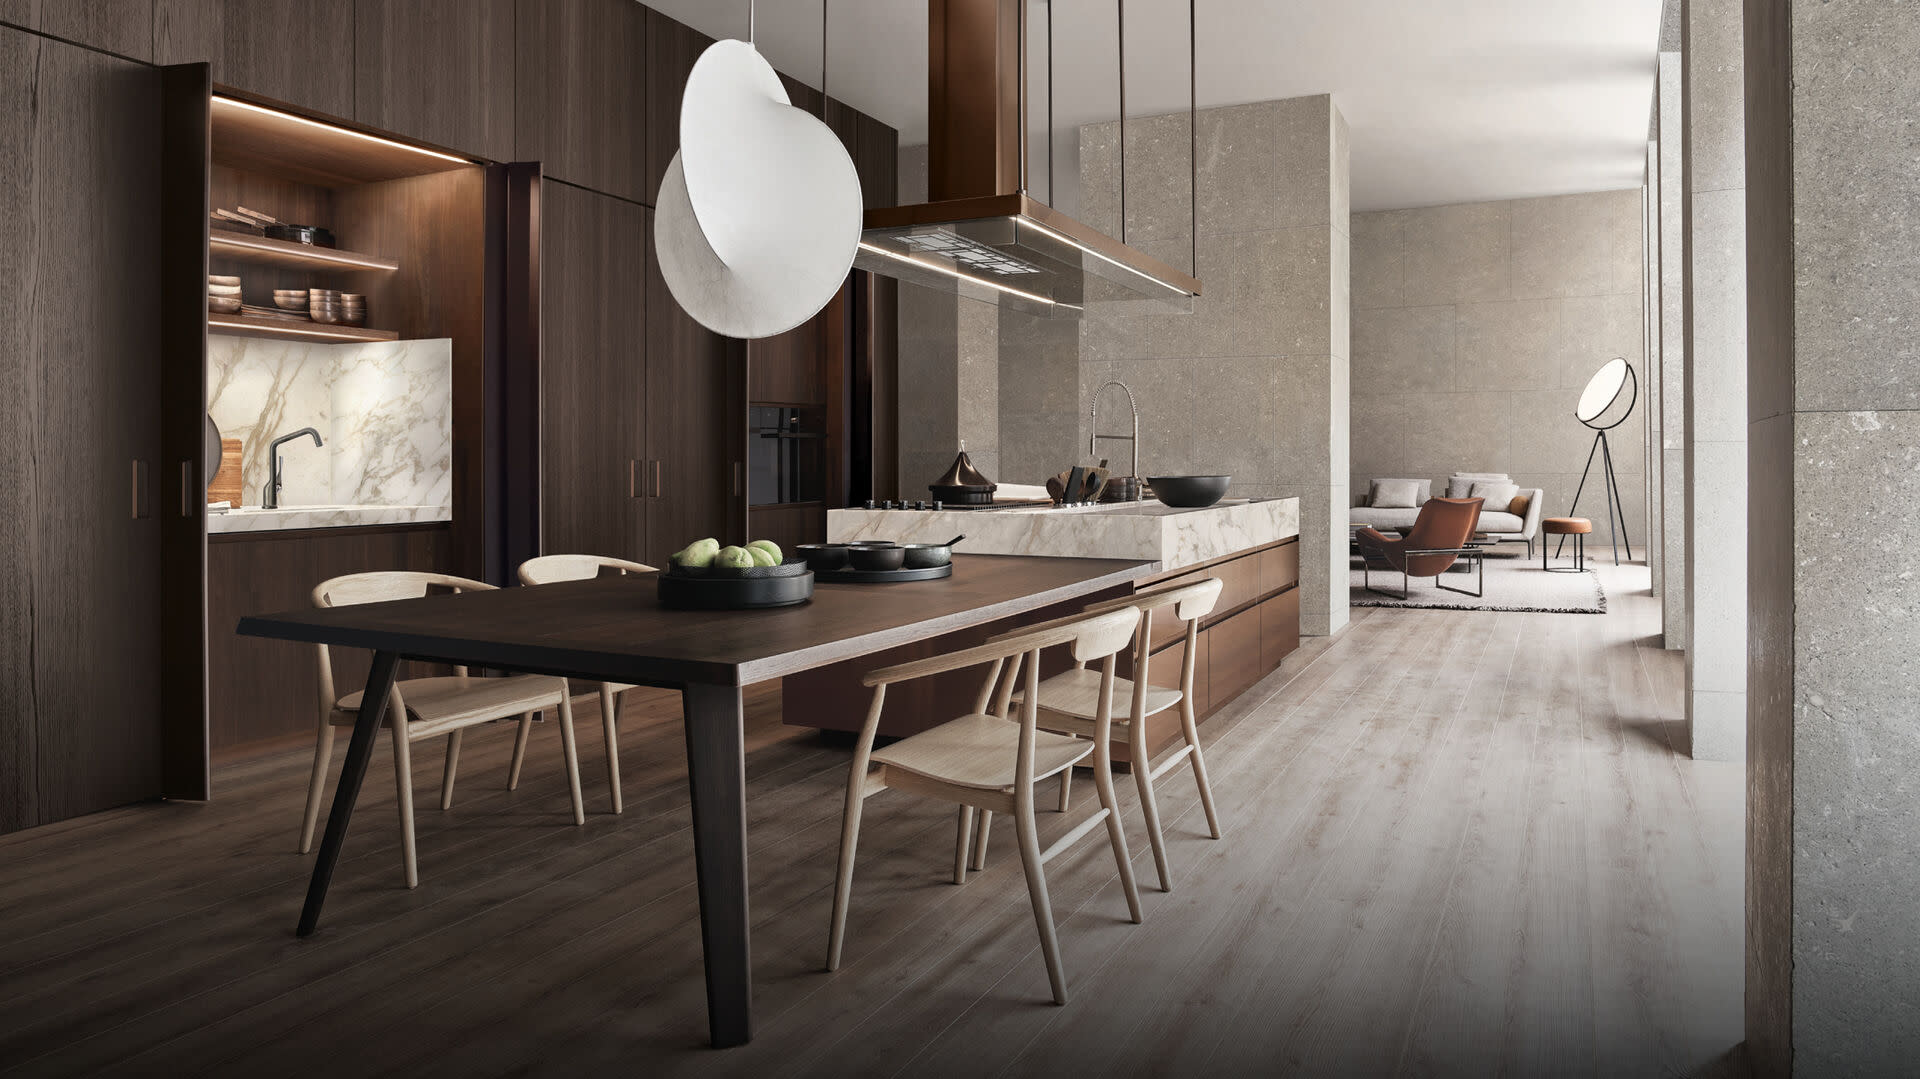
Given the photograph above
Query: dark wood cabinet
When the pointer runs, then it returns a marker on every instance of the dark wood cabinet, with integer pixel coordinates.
(80, 464)
(789, 368)
(118, 26)
(296, 51)
(593, 373)
(694, 482)
(271, 689)
(441, 71)
(1279, 627)
(1233, 655)
(580, 102)
(672, 49)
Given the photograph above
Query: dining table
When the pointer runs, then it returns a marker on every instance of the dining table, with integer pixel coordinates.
(614, 629)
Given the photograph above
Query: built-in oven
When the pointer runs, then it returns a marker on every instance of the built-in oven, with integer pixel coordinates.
(786, 454)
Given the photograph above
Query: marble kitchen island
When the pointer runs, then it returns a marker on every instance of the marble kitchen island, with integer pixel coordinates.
(1253, 547)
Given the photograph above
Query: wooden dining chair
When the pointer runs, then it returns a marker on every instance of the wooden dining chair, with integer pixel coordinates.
(988, 760)
(1072, 701)
(429, 707)
(548, 569)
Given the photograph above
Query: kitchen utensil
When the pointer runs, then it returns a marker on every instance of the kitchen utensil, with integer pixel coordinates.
(824, 557)
(225, 485)
(963, 484)
(1189, 492)
(1121, 489)
(854, 576)
(1075, 486)
(301, 234)
(929, 555)
(257, 216)
(871, 559)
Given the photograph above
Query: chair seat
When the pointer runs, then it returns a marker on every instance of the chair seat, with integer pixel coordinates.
(444, 703)
(1077, 693)
(979, 751)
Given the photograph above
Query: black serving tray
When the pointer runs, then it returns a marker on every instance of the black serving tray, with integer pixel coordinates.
(884, 576)
(727, 590)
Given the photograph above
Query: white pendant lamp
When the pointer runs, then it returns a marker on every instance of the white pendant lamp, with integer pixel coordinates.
(758, 218)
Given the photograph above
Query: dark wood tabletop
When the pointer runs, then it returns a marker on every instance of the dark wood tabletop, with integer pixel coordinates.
(614, 628)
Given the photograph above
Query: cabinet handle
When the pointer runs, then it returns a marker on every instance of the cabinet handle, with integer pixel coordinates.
(658, 490)
(633, 478)
(736, 479)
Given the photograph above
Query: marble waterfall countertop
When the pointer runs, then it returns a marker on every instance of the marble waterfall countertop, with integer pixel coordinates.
(256, 519)
(1142, 530)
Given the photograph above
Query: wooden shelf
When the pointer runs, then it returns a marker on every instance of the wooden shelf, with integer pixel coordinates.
(241, 245)
(286, 329)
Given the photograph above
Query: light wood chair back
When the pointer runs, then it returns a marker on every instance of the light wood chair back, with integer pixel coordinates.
(378, 586)
(552, 568)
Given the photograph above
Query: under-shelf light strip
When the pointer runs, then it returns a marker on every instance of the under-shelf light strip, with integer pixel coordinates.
(264, 111)
(220, 323)
(317, 254)
(956, 274)
(1070, 241)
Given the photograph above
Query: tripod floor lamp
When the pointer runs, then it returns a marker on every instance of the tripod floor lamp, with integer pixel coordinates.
(1603, 391)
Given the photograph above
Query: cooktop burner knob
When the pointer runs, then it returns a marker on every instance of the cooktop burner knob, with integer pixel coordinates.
(936, 505)
(887, 505)
(869, 503)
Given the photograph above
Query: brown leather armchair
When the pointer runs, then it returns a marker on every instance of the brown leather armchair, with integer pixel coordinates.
(1438, 540)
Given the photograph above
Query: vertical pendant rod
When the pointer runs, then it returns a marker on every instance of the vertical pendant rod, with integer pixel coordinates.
(1020, 93)
(751, 5)
(1120, 6)
(1051, 195)
(823, 61)
(1193, 135)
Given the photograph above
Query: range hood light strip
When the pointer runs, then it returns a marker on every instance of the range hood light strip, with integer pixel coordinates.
(950, 272)
(1070, 241)
(264, 111)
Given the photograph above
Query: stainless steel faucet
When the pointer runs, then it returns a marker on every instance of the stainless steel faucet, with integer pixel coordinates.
(270, 498)
(1093, 425)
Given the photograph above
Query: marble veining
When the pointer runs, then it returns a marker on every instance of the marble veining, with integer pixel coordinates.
(384, 409)
(1146, 531)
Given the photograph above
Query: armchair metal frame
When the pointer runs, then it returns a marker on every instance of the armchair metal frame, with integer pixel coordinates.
(1476, 555)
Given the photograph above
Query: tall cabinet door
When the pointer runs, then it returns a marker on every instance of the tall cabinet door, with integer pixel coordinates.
(79, 432)
(593, 340)
(696, 427)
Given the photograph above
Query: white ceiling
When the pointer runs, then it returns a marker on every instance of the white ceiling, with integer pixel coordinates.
(1447, 100)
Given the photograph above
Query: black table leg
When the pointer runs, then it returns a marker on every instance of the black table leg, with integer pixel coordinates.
(366, 727)
(717, 774)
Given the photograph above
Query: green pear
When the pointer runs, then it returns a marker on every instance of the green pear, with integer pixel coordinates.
(761, 557)
(697, 555)
(771, 548)
(734, 558)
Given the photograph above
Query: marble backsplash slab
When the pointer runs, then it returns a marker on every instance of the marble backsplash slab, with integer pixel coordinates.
(384, 408)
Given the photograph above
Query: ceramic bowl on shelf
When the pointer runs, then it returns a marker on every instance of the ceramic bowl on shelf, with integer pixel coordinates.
(328, 315)
(290, 299)
(223, 279)
(231, 292)
(224, 305)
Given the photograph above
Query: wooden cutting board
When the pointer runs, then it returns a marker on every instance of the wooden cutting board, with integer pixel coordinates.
(226, 482)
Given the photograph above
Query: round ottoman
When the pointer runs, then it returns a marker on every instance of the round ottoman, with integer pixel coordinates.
(1577, 527)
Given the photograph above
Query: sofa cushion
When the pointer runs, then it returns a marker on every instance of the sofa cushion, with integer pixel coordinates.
(1460, 483)
(1383, 518)
(1494, 494)
(1497, 521)
(1394, 494)
(1424, 489)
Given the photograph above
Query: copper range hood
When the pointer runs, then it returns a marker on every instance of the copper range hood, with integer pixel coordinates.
(981, 234)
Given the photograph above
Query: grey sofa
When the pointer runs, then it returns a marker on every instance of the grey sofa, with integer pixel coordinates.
(1493, 521)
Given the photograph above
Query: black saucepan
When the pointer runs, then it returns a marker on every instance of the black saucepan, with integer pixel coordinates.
(873, 557)
(930, 555)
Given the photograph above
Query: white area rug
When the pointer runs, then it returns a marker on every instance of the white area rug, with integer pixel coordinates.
(1511, 585)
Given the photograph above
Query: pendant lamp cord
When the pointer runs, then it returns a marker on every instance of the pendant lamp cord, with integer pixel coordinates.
(751, 5)
(823, 61)
(1120, 8)
(1051, 195)
(1193, 138)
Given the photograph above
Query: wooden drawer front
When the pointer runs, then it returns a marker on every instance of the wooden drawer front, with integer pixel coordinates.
(1233, 655)
(1279, 627)
(1279, 567)
(1240, 583)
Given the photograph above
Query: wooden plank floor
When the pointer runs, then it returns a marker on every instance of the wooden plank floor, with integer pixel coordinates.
(1457, 844)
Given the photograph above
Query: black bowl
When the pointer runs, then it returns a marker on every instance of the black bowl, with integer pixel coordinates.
(824, 557)
(1189, 492)
(927, 555)
(874, 558)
